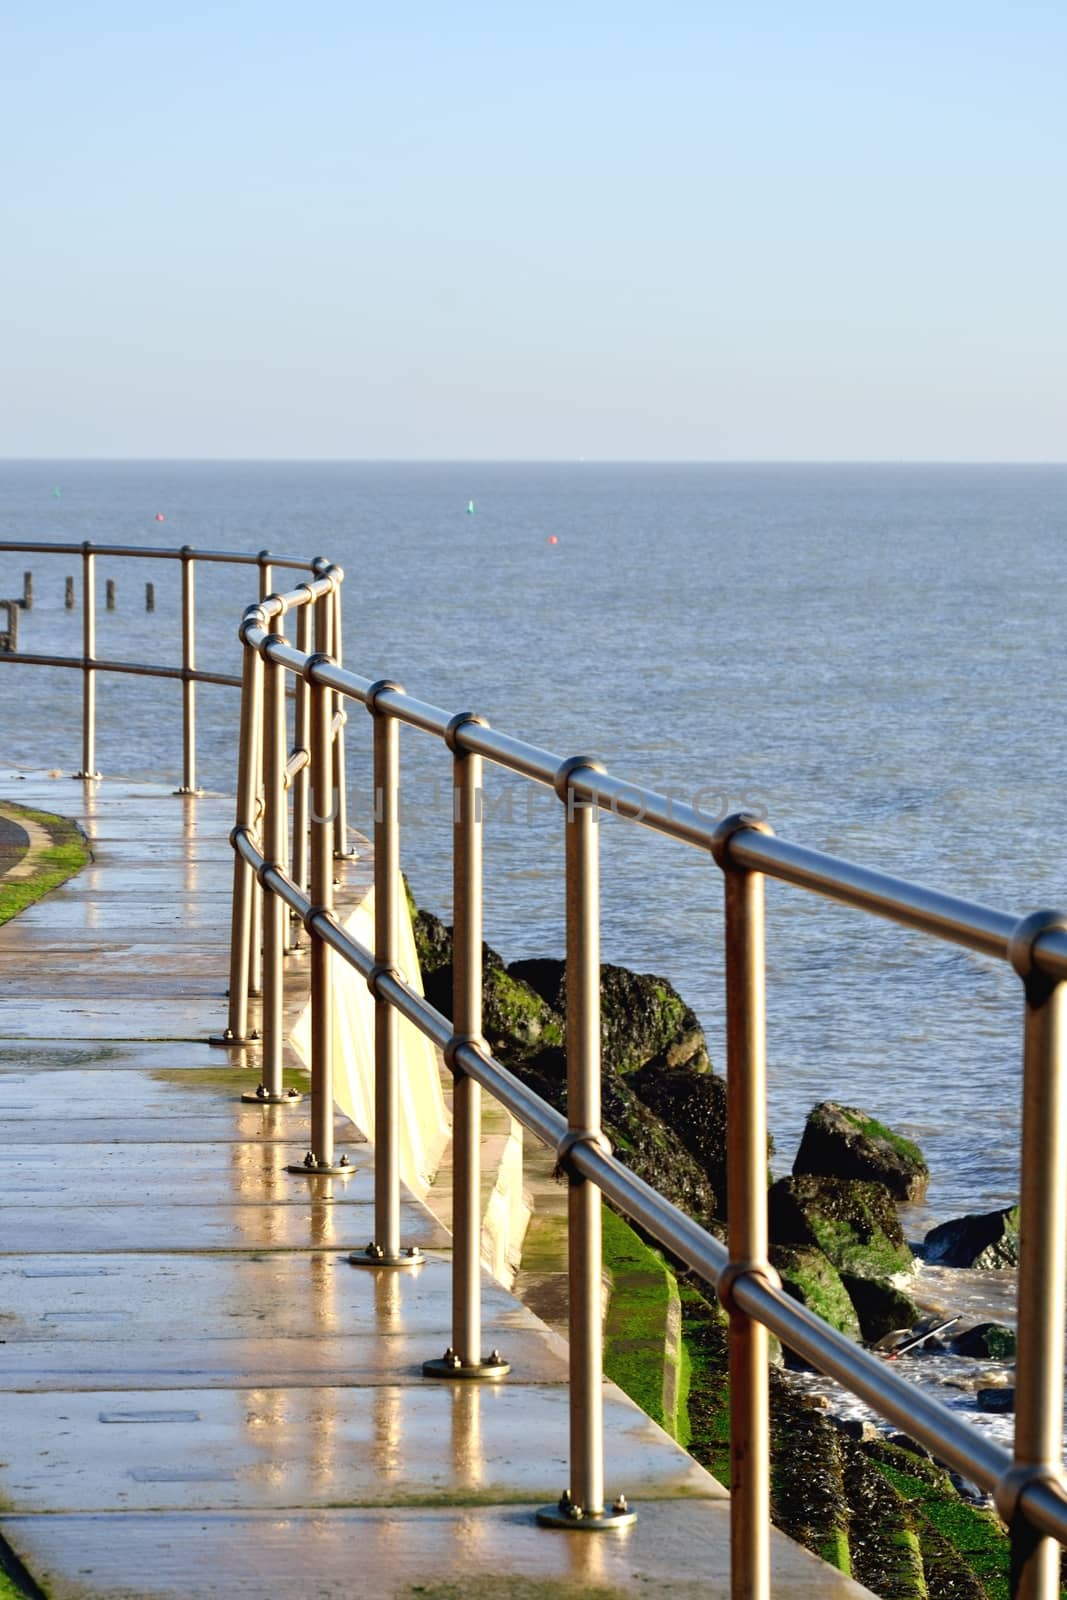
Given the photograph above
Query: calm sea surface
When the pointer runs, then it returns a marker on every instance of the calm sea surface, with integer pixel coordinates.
(866, 652)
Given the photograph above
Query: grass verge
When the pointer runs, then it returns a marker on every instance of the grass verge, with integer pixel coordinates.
(50, 864)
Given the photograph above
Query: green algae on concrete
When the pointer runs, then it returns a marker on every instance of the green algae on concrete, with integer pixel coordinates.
(236, 1078)
(57, 850)
(642, 1344)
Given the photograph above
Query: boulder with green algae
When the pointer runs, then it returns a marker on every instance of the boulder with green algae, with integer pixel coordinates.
(638, 1136)
(843, 1142)
(693, 1103)
(809, 1277)
(991, 1341)
(987, 1240)
(515, 1019)
(853, 1223)
(881, 1307)
(642, 1017)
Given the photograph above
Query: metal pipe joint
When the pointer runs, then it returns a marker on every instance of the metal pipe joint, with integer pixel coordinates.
(561, 780)
(728, 1278)
(1023, 951)
(379, 687)
(737, 822)
(576, 1136)
(1013, 1484)
(460, 720)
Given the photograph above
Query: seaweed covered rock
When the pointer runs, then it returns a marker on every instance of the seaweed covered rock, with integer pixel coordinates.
(853, 1223)
(638, 1136)
(515, 1019)
(642, 1017)
(433, 940)
(881, 1307)
(693, 1103)
(843, 1142)
(809, 1277)
(989, 1239)
(990, 1341)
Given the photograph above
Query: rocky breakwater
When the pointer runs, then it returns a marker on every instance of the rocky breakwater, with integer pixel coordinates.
(663, 1109)
(874, 1506)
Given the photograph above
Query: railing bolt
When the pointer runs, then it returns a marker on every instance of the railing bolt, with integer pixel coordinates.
(620, 1504)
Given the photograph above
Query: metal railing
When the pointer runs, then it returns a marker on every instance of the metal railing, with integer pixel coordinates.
(1027, 1486)
(188, 674)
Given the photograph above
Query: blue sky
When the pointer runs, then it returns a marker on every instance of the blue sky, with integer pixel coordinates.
(689, 231)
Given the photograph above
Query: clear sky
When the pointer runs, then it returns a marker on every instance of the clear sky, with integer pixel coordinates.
(444, 228)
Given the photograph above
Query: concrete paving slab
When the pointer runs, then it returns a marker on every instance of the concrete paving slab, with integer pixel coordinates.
(246, 1362)
(164, 1019)
(178, 1299)
(43, 1054)
(334, 1224)
(675, 1551)
(215, 1450)
(272, 1124)
(168, 1174)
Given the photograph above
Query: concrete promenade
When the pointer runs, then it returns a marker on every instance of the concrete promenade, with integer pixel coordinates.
(199, 1395)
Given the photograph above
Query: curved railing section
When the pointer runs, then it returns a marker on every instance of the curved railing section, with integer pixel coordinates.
(89, 664)
(1028, 1489)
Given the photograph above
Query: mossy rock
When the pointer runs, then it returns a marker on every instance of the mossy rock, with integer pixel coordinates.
(990, 1341)
(881, 1307)
(516, 1021)
(855, 1224)
(638, 1136)
(642, 1017)
(843, 1142)
(987, 1240)
(693, 1103)
(809, 1277)
(433, 940)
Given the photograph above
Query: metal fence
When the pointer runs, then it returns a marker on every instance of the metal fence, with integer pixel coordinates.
(1027, 1486)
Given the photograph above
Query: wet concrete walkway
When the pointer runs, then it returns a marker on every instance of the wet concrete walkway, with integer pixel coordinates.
(199, 1395)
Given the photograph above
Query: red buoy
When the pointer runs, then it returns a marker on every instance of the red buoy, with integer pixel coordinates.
(160, 517)
(552, 539)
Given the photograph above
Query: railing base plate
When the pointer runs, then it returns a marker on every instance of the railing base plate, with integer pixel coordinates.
(574, 1519)
(259, 1097)
(226, 1041)
(335, 1169)
(374, 1256)
(484, 1371)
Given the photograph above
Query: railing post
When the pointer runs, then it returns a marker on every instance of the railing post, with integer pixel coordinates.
(1039, 1356)
(302, 741)
(188, 667)
(342, 849)
(88, 767)
(255, 954)
(746, 1125)
(319, 1161)
(463, 1358)
(384, 1249)
(243, 922)
(582, 1503)
(275, 911)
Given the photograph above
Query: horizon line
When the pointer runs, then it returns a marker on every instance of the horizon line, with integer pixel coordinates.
(542, 461)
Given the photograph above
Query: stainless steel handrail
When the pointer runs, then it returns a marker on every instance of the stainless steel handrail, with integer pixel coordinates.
(1028, 1487)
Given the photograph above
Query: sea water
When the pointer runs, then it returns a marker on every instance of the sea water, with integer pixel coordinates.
(866, 653)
